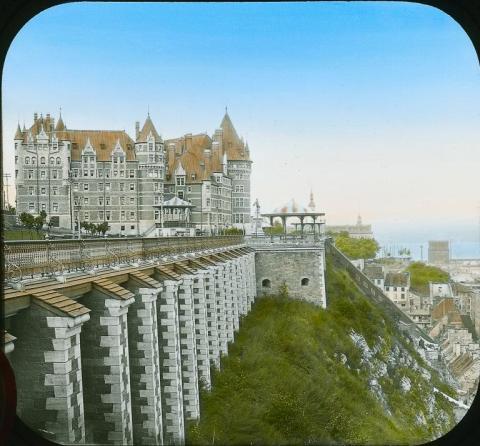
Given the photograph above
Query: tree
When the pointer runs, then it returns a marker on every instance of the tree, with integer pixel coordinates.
(27, 220)
(233, 231)
(276, 229)
(102, 228)
(39, 221)
(356, 248)
(421, 275)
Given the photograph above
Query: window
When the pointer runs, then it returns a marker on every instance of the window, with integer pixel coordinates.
(86, 216)
(100, 173)
(100, 201)
(180, 181)
(34, 160)
(100, 215)
(122, 187)
(43, 191)
(55, 207)
(122, 215)
(189, 189)
(85, 187)
(305, 281)
(180, 194)
(54, 174)
(85, 200)
(156, 214)
(42, 160)
(52, 161)
(42, 174)
(122, 200)
(107, 187)
(132, 186)
(31, 190)
(131, 173)
(31, 206)
(59, 161)
(266, 283)
(107, 215)
(107, 201)
(44, 207)
(132, 215)
(132, 227)
(132, 200)
(100, 187)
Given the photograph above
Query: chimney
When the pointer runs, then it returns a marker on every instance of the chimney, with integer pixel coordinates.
(188, 141)
(35, 117)
(137, 129)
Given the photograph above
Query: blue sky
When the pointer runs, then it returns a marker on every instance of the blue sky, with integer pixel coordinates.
(373, 106)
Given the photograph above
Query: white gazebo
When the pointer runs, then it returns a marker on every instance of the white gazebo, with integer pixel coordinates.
(173, 217)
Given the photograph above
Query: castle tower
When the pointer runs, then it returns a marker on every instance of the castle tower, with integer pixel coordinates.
(239, 170)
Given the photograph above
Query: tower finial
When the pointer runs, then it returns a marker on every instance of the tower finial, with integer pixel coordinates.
(226, 110)
(148, 110)
(60, 111)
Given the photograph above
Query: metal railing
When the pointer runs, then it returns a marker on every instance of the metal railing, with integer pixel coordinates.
(34, 257)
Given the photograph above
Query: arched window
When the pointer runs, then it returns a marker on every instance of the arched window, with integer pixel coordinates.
(305, 281)
(27, 160)
(34, 160)
(59, 161)
(42, 160)
(266, 283)
(52, 160)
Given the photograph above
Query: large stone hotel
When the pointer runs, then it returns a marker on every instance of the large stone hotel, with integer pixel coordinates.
(144, 186)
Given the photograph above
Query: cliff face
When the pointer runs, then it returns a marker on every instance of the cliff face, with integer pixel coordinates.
(299, 374)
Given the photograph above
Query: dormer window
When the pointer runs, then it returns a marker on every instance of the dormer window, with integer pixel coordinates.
(180, 181)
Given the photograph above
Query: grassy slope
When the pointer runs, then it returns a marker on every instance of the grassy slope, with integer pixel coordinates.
(283, 382)
(421, 275)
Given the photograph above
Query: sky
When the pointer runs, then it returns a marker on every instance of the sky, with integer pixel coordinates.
(372, 106)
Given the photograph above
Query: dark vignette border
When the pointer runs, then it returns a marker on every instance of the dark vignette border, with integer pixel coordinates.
(14, 14)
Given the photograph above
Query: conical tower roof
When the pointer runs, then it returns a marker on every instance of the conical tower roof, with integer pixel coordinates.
(18, 133)
(148, 128)
(232, 144)
(60, 127)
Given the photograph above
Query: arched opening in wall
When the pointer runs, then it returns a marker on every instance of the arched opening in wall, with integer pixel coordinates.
(266, 283)
(305, 281)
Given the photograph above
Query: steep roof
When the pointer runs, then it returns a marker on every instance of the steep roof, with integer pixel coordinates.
(232, 144)
(102, 141)
(373, 272)
(148, 128)
(195, 154)
(60, 125)
(18, 133)
(397, 279)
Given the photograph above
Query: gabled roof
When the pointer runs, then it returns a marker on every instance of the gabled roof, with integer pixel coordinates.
(397, 279)
(177, 202)
(373, 272)
(148, 128)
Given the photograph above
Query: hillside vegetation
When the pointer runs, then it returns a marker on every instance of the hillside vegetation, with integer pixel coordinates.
(421, 275)
(299, 374)
(356, 248)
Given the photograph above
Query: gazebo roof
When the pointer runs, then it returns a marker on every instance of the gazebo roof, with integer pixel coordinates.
(176, 202)
(291, 207)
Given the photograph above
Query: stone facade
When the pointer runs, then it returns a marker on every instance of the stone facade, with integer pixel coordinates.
(302, 271)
